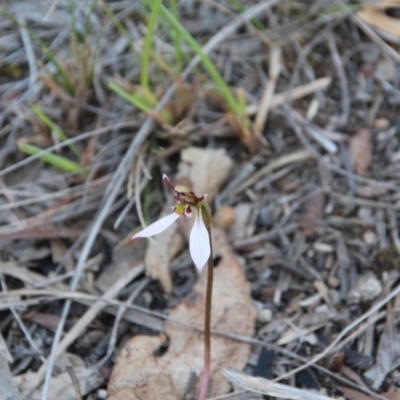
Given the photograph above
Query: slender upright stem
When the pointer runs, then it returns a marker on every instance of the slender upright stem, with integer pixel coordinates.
(205, 380)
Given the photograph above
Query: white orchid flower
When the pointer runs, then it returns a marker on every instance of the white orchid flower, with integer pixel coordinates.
(188, 203)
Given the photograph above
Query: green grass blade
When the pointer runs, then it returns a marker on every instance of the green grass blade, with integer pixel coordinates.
(55, 128)
(53, 159)
(208, 64)
(176, 39)
(145, 70)
(142, 102)
(138, 101)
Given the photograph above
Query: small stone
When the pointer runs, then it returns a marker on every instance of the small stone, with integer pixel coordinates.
(381, 123)
(370, 237)
(265, 316)
(333, 281)
(323, 247)
(366, 289)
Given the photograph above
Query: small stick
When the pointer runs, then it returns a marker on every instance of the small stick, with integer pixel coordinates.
(343, 84)
(275, 67)
(293, 94)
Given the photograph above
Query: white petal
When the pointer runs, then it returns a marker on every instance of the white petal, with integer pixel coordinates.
(158, 226)
(199, 243)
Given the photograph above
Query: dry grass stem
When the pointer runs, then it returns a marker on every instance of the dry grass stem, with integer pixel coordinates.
(294, 94)
(266, 99)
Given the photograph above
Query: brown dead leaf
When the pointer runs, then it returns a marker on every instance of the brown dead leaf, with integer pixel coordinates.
(378, 17)
(391, 395)
(207, 169)
(361, 151)
(310, 221)
(140, 373)
(352, 394)
(61, 387)
(49, 321)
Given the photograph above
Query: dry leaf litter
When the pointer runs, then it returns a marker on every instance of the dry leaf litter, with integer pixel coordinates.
(306, 205)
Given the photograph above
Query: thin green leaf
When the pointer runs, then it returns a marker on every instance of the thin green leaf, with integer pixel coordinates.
(145, 67)
(176, 38)
(56, 129)
(144, 103)
(133, 98)
(53, 159)
(208, 64)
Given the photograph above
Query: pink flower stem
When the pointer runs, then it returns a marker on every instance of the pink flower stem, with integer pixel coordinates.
(205, 380)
